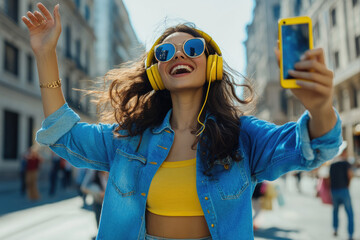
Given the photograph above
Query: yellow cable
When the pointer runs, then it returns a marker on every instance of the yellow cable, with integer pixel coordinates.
(206, 97)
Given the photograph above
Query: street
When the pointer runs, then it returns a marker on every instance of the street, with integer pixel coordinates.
(303, 217)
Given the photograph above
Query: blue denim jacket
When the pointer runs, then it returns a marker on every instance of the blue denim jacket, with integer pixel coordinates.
(268, 152)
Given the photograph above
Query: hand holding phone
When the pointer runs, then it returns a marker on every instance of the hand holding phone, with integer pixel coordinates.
(295, 38)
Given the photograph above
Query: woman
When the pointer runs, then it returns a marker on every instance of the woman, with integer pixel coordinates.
(183, 160)
(33, 162)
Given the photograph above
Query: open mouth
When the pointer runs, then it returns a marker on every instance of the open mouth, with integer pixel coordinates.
(180, 69)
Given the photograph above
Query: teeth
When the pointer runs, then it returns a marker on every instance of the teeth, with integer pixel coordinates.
(178, 67)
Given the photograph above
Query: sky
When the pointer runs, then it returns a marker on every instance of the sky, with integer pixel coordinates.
(224, 20)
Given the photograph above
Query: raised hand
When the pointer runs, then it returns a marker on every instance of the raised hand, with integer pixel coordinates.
(44, 29)
(317, 93)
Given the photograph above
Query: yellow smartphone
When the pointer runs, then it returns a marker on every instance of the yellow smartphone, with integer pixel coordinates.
(295, 38)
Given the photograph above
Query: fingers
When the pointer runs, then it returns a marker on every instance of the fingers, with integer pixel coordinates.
(313, 86)
(40, 17)
(45, 11)
(33, 19)
(317, 53)
(57, 17)
(27, 23)
(277, 54)
(37, 18)
(312, 76)
(313, 65)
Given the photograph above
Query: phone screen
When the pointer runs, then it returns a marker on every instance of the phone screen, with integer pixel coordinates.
(295, 42)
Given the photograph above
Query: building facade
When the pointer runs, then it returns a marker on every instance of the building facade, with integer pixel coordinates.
(336, 29)
(261, 61)
(116, 40)
(21, 111)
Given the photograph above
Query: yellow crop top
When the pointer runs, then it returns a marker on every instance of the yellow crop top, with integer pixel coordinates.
(173, 190)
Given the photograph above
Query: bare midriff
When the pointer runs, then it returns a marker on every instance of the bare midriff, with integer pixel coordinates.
(176, 227)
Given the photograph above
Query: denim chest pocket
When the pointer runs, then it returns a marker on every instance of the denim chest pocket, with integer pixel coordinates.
(231, 183)
(124, 173)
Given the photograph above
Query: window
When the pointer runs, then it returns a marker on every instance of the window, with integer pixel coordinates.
(343, 131)
(87, 13)
(357, 46)
(316, 32)
(11, 9)
(30, 69)
(68, 42)
(11, 58)
(30, 131)
(87, 62)
(67, 89)
(354, 100)
(297, 7)
(10, 138)
(30, 7)
(284, 101)
(276, 11)
(336, 60)
(333, 17)
(341, 101)
(77, 4)
(78, 53)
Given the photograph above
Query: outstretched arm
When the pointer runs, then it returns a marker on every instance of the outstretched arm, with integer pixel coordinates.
(44, 34)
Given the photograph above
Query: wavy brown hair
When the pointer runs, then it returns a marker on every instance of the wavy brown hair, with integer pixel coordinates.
(135, 106)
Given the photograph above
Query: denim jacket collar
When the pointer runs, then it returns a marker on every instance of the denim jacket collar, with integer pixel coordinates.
(166, 122)
(164, 125)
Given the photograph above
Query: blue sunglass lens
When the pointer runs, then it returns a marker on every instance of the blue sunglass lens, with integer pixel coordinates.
(194, 47)
(165, 52)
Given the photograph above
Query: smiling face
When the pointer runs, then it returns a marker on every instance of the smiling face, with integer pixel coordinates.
(182, 72)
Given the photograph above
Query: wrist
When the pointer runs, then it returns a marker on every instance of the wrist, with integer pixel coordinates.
(323, 113)
(45, 55)
(321, 122)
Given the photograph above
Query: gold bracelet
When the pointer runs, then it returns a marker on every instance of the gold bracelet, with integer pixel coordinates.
(54, 84)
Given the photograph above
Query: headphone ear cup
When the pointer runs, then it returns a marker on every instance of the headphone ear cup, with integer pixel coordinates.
(219, 66)
(209, 65)
(157, 77)
(151, 78)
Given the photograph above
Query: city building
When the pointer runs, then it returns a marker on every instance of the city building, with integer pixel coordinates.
(336, 28)
(116, 40)
(262, 63)
(79, 52)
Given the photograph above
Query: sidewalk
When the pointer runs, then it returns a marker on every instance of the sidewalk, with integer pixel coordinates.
(11, 199)
(305, 217)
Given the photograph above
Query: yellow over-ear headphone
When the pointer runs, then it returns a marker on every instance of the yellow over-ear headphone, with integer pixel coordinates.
(214, 66)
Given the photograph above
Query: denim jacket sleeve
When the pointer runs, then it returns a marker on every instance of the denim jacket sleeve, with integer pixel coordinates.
(274, 150)
(82, 144)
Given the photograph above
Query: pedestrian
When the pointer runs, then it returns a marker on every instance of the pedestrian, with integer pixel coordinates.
(23, 164)
(66, 168)
(298, 180)
(33, 161)
(258, 193)
(80, 176)
(94, 184)
(340, 177)
(323, 184)
(183, 159)
(53, 176)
